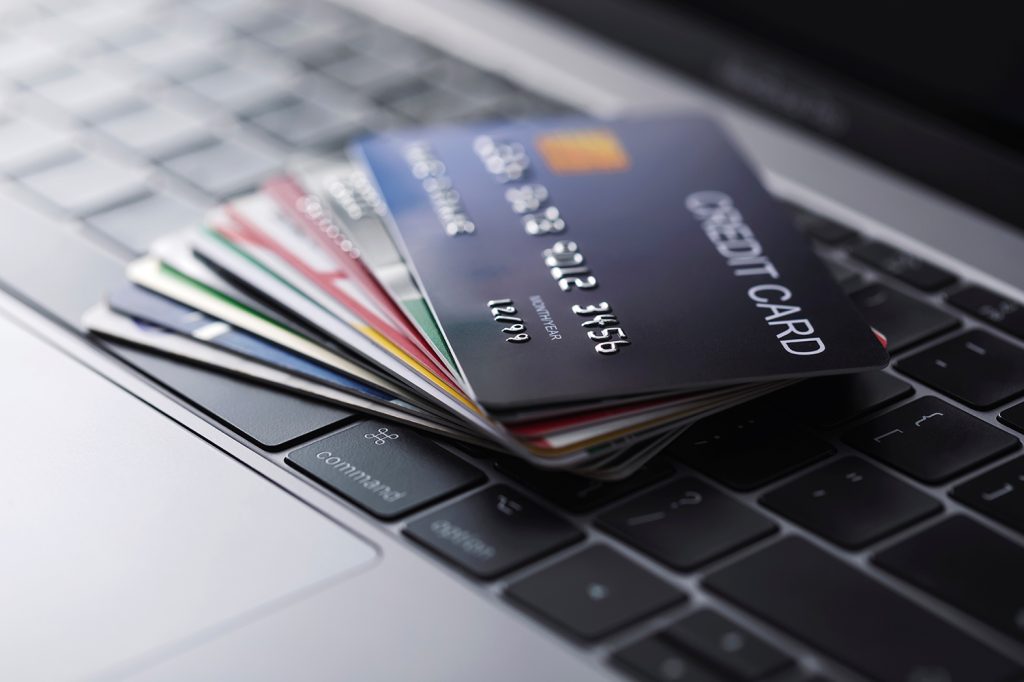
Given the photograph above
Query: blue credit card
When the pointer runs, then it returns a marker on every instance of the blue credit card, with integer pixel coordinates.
(574, 259)
(142, 304)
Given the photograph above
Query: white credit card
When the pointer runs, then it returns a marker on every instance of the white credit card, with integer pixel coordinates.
(101, 320)
(151, 274)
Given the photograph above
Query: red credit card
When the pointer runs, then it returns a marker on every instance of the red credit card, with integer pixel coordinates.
(241, 228)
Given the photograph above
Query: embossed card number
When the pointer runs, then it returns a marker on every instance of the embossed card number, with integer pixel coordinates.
(509, 163)
(610, 338)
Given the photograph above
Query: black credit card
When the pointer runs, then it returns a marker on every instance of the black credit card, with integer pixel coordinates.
(575, 259)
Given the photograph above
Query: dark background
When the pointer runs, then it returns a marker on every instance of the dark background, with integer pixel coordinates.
(935, 90)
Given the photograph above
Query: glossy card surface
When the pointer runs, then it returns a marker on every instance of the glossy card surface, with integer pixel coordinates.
(574, 259)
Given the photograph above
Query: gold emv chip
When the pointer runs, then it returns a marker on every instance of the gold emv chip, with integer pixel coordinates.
(597, 150)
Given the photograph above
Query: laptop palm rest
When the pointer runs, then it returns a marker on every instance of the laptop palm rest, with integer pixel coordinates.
(131, 534)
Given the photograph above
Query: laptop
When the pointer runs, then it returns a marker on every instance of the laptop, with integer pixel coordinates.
(857, 528)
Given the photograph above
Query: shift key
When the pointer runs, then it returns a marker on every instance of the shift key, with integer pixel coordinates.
(386, 469)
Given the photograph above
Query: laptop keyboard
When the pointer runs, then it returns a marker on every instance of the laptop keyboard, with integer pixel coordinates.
(809, 593)
(851, 526)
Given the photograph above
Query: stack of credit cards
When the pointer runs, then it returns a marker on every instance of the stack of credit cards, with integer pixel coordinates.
(570, 291)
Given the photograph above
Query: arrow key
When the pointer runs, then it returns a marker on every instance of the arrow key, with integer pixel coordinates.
(715, 638)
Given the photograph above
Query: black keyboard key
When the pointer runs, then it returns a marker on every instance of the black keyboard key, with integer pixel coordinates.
(304, 41)
(655, 659)
(393, 46)
(81, 185)
(747, 447)
(254, 18)
(271, 418)
(223, 169)
(386, 469)
(326, 54)
(522, 104)
(306, 124)
(712, 523)
(847, 278)
(830, 401)
(971, 567)
(241, 84)
(594, 592)
(975, 368)
(453, 75)
(328, 92)
(1000, 311)
(903, 320)
(137, 224)
(931, 440)
(726, 645)
(579, 494)
(850, 502)
(1013, 417)
(820, 228)
(369, 73)
(493, 531)
(433, 104)
(903, 266)
(854, 619)
(998, 493)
